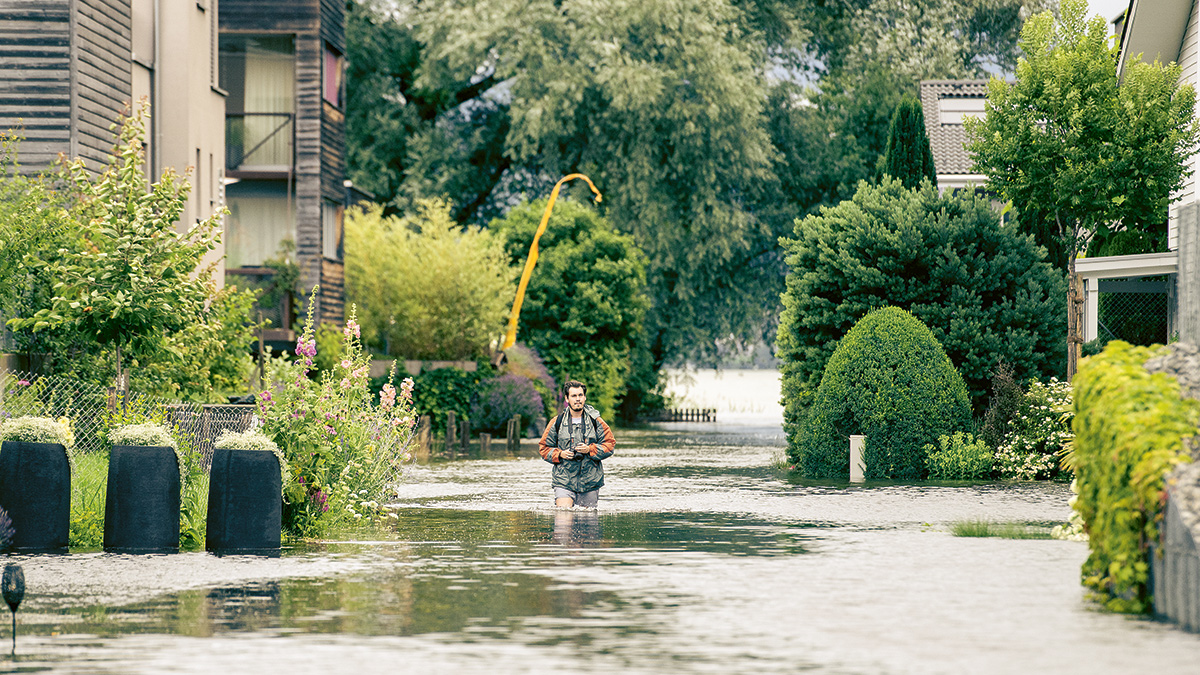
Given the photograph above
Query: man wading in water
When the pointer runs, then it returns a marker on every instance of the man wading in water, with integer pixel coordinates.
(576, 442)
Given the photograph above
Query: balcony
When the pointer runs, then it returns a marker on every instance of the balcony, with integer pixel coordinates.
(259, 144)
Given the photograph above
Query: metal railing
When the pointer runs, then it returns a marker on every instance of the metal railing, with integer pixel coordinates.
(258, 140)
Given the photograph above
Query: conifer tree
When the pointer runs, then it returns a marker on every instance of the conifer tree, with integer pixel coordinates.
(908, 157)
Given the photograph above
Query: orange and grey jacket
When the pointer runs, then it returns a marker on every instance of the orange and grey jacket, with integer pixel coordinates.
(584, 473)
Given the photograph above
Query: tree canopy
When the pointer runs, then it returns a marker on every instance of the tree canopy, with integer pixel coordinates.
(908, 157)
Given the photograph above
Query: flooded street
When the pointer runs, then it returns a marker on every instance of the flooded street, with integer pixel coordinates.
(700, 559)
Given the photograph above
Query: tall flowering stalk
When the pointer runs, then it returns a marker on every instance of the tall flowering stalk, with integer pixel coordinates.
(344, 450)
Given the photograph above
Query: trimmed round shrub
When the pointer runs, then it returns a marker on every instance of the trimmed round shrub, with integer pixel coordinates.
(501, 398)
(889, 380)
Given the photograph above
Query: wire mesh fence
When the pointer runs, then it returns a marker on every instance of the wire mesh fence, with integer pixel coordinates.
(1137, 317)
(92, 409)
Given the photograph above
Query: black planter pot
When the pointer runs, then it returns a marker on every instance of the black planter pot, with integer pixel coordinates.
(141, 509)
(35, 489)
(245, 508)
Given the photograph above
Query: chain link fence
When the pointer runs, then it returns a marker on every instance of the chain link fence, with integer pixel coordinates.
(1133, 310)
(91, 408)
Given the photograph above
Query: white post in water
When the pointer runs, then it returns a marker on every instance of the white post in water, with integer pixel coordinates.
(856, 463)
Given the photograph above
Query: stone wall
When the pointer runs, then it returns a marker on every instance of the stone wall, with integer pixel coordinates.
(1175, 565)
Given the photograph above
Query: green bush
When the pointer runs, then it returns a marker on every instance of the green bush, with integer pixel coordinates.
(889, 380)
(585, 304)
(437, 392)
(1038, 432)
(1129, 429)
(958, 457)
(428, 288)
(983, 288)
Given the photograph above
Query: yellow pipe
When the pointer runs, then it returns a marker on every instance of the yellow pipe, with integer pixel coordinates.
(510, 337)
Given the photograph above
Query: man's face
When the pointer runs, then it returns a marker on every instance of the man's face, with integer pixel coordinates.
(576, 398)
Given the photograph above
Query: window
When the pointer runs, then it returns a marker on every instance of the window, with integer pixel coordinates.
(331, 71)
(259, 220)
(259, 74)
(331, 229)
(954, 110)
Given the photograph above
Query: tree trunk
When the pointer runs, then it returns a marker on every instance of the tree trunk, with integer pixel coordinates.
(1074, 319)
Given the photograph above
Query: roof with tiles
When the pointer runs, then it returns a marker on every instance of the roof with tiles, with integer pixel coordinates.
(946, 139)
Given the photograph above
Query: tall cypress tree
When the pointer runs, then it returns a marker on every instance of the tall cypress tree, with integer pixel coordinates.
(908, 157)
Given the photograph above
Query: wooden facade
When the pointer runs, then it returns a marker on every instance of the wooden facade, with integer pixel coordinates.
(318, 167)
(64, 76)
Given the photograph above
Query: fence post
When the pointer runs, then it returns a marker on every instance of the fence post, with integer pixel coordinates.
(112, 399)
(466, 434)
(451, 431)
(424, 432)
(485, 442)
(856, 461)
(511, 442)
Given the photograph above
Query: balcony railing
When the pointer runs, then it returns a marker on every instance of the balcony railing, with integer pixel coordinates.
(259, 141)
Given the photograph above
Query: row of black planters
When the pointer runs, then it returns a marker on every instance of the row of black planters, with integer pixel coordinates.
(141, 509)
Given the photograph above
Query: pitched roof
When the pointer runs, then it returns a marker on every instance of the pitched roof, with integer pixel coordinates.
(946, 140)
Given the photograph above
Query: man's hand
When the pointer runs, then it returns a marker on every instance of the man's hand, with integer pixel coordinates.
(581, 448)
(566, 454)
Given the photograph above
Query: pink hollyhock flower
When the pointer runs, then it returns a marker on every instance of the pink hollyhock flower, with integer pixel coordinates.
(345, 383)
(346, 364)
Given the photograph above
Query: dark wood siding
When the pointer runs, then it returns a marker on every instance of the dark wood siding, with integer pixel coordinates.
(269, 16)
(320, 133)
(333, 292)
(103, 81)
(35, 78)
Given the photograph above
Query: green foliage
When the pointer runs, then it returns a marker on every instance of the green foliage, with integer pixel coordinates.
(585, 303)
(1082, 154)
(437, 392)
(981, 287)
(1006, 400)
(1038, 433)
(135, 277)
(889, 380)
(329, 348)
(1129, 428)
(31, 429)
(430, 289)
(343, 451)
(958, 457)
(89, 482)
(908, 157)
(986, 528)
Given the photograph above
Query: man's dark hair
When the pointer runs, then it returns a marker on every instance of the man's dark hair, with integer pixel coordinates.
(572, 384)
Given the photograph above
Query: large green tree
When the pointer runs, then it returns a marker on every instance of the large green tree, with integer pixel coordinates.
(1083, 156)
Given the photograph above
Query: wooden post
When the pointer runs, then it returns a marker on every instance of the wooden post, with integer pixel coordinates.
(465, 435)
(451, 431)
(511, 442)
(485, 442)
(112, 399)
(424, 435)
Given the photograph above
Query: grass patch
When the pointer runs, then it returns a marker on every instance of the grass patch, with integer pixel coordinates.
(986, 528)
(88, 483)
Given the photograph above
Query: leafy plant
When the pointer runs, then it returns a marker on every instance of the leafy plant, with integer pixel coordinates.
(958, 457)
(437, 392)
(6, 530)
(502, 397)
(89, 483)
(343, 451)
(1129, 428)
(1006, 400)
(253, 439)
(135, 278)
(38, 430)
(429, 288)
(1038, 432)
(889, 380)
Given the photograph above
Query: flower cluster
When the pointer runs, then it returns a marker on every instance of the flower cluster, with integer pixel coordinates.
(1040, 430)
(342, 448)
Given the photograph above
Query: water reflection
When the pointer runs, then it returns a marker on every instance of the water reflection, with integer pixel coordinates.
(576, 528)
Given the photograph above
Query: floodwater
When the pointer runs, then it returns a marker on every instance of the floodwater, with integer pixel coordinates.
(701, 559)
